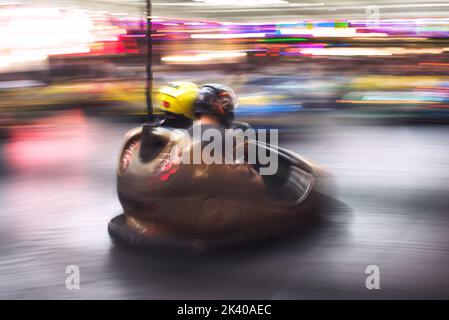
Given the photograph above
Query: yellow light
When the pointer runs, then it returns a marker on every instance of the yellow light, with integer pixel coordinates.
(203, 57)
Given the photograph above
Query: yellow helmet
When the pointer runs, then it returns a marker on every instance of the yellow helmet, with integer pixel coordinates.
(178, 98)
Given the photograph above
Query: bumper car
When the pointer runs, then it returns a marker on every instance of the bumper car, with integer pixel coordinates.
(170, 204)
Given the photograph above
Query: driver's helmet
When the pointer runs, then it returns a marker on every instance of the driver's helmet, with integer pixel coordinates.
(218, 100)
(177, 98)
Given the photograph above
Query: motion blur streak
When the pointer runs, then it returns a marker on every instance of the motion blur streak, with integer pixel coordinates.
(367, 98)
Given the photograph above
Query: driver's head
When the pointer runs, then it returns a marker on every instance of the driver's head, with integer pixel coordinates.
(216, 100)
(177, 98)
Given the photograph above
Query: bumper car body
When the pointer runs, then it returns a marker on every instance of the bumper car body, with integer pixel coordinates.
(167, 203)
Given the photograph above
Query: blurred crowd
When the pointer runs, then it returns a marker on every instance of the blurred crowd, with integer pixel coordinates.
(54, 58)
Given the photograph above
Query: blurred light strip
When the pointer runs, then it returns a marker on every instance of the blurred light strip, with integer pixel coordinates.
(345, 52)
(227, 36)
(204, 56)
(211, 3)
(385, 101)
(322, 32)
(195, 31)
(240, 2)
(282, 39)
(388, 51)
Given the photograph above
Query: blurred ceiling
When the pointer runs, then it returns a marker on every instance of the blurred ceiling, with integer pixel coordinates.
(263, 10)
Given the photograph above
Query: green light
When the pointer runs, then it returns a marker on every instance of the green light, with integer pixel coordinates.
(283, 39)
(341, 24)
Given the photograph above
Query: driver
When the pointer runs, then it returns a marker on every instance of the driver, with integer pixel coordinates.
(214, 109)
(215, 104)
(176, 101)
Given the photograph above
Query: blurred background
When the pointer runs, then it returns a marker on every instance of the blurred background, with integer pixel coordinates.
(361, 88)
